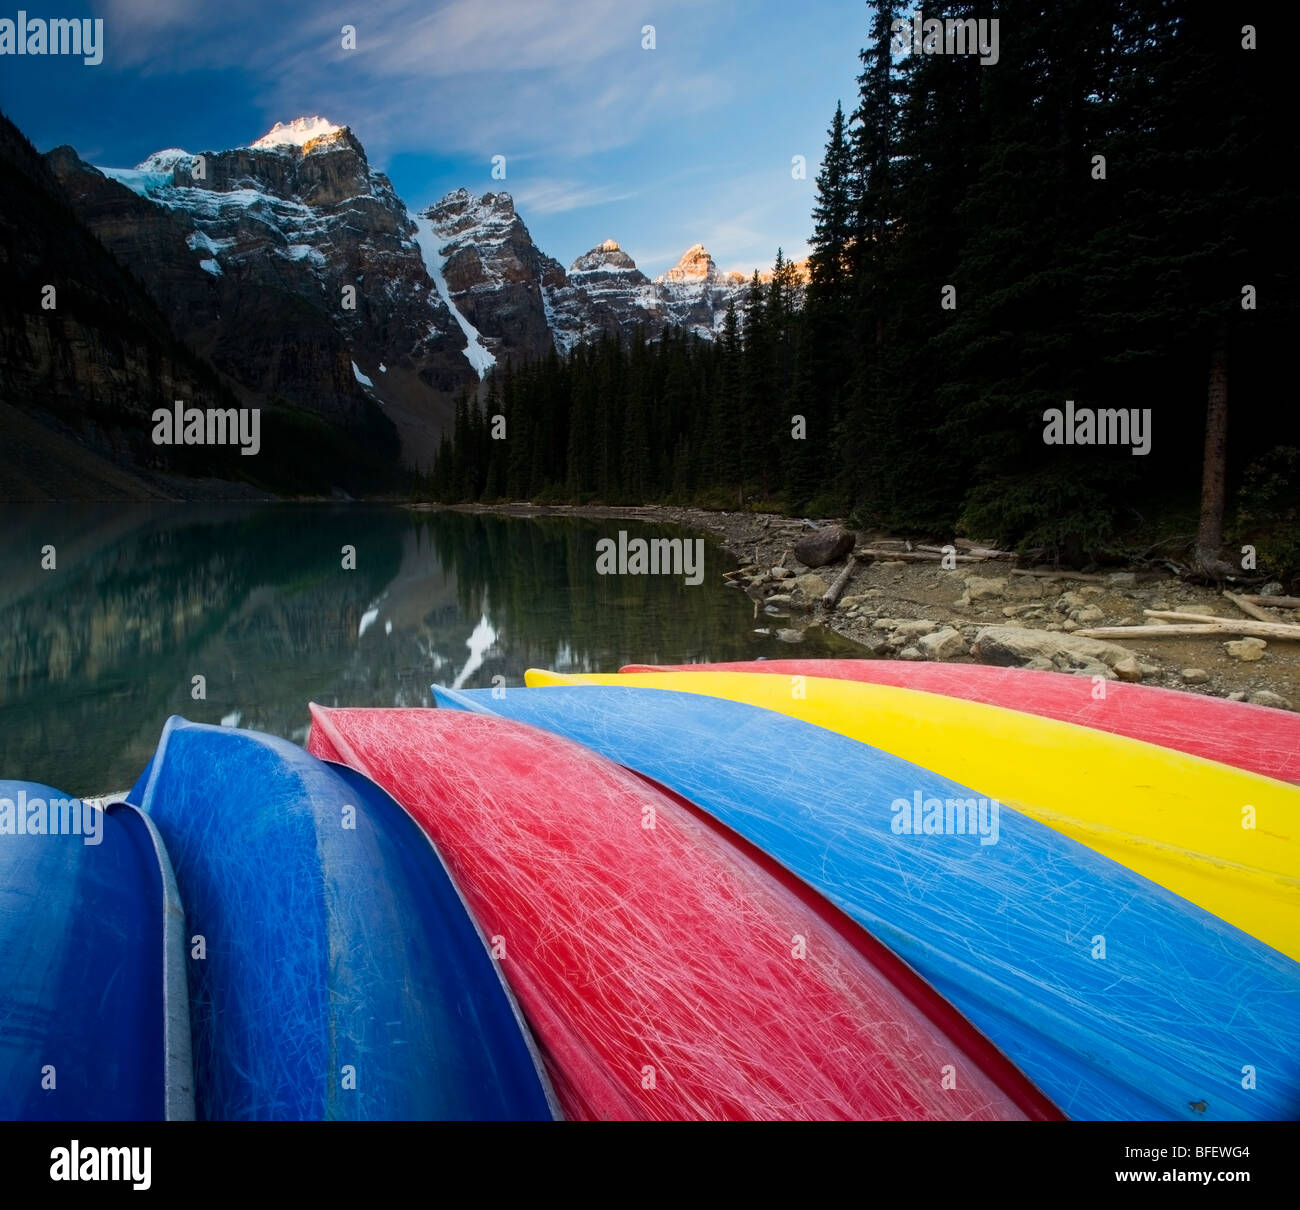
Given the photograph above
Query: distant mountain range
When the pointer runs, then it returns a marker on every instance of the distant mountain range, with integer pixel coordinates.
(296, 279)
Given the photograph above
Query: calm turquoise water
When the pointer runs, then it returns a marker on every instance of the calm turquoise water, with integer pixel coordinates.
(96, 653)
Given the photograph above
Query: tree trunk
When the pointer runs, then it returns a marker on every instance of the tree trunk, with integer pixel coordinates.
(1209, 536)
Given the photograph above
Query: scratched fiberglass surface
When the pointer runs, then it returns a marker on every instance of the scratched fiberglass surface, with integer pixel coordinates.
(1160, 1028)
(343, 977)
(1170, 817)
(85, 955)
(1258, 738)
(667, 971)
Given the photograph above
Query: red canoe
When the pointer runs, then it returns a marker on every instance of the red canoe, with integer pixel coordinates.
(1256, 738)
(668, 969)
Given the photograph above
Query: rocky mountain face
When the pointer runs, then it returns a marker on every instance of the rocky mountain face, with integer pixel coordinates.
(294, 267)
(85, 353)
(495, 274)
(606, 294)
(291, 273)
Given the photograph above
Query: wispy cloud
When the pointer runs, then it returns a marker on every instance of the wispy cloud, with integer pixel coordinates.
(558, 197)
(568, 76)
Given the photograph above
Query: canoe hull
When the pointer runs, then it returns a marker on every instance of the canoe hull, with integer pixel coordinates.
(92, 992)
(334, 971)
(1225, 839)
(667, 971)
(1117, 998)
(1256, 738)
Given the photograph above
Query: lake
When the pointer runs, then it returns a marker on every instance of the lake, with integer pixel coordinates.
(97, 651)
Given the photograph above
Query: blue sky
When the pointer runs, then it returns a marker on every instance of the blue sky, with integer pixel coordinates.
(658, 149)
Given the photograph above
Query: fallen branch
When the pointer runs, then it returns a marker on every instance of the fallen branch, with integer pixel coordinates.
(1251, 611)
(1277, 602)
(1059, 575)
(1259, 630)
(975, 552)
(915, 556)
(831, 597)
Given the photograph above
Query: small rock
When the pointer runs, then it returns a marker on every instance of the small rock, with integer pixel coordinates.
(910, 653)
(1038, 664)
(807, 587)
(913, 630)
(1150, 669)
(1088, 614)
(822, 546)
(945, 644)
(1195, 676)
(1272, 589)
(1088, 668)
(790, 636)
(1266, 697)
(778, 599)
(781, 573)
(1237, 697)
(1091, 591)
(1070, 625)
(1128, 669)
(1122, 579)
(1160, 605)
(985, 588)
(1246, 649)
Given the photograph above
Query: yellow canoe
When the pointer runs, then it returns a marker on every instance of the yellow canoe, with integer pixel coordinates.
(1226, 839)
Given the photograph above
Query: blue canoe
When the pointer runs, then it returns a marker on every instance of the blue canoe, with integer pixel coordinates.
(1184, 1017)
(94, 1019)
(342, 976)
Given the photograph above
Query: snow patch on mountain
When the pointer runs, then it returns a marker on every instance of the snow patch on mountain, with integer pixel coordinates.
(430, 248)
(297, 133)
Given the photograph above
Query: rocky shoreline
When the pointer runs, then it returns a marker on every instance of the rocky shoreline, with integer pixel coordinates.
(917, 605)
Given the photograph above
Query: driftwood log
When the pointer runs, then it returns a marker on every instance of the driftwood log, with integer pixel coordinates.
(1276, 602)
(831, 597)
(1194, 626)
(1251, 611)
(1059, 575)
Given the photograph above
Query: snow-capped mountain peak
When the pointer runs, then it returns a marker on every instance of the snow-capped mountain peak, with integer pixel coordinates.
(297, 133)
(604, 258)
(696, 265)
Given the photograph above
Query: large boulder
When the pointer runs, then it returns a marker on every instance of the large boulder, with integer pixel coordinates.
(1012, 646)
(823, 546)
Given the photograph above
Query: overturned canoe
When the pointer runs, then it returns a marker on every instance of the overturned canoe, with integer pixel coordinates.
(94, 1016)
(334, 970)
(1256, 738)
(1225, 839)
(1117, 998)
(668, 971)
